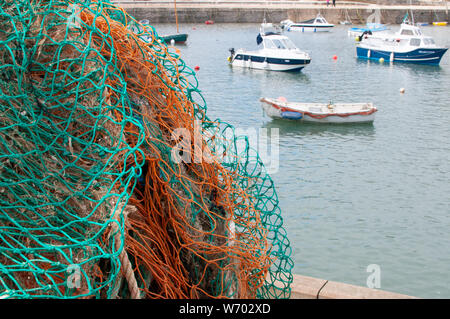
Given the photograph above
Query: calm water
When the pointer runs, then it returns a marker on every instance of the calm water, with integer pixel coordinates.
(351, 195)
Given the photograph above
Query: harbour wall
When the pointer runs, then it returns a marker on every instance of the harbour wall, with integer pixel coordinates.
(358, 15)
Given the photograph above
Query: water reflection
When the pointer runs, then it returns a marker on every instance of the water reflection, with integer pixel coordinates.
(415, 69)
(273, 78)
(298, 129)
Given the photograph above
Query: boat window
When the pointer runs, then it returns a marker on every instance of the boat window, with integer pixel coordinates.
(278, 44)
(428, 41)
(418, 32)
(407, 32)
(289, 44)
(269, 44)
(415, 42)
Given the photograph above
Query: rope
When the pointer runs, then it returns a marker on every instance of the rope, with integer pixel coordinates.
(129, 273)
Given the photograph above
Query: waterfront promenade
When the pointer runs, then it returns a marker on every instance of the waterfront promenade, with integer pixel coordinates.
(237, 11)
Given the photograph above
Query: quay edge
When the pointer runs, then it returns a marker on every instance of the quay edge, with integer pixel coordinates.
(304, 287)
(358, 15)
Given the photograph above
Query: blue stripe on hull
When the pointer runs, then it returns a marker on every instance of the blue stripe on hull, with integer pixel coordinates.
(261, 59)
(418, 56)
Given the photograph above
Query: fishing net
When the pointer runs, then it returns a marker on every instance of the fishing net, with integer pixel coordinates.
(114, 182)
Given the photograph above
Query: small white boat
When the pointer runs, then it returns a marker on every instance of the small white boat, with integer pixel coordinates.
(319, 112)
(278, 53)
(318, 24)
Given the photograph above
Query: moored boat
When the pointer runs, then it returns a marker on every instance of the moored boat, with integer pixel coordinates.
(278, 53)
(318, 24)
(319, 112)
(370, 27)
(409, 44)
(440, 23)
(177, 38)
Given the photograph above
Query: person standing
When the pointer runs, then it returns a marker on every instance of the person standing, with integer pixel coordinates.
(328, 2)
(334, 3)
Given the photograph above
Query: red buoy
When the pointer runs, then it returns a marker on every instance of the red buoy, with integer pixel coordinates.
(197, 68)
(209, 22)
(334, 57)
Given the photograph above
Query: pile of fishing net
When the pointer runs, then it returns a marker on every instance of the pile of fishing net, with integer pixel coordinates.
(102, 192)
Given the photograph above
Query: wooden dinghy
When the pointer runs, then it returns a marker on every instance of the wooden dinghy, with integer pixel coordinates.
(319, 112)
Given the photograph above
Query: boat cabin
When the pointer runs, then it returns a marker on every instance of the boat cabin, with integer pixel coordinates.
(320, 20)
(413, 36)
(407, 36)
(409, 30)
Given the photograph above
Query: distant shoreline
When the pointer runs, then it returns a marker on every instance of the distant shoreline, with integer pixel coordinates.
(276, 11)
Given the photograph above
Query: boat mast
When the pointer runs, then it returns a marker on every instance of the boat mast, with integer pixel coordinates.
(412, 14)
(176, 15)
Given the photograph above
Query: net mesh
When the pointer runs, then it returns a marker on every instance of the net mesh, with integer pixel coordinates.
(107, 155)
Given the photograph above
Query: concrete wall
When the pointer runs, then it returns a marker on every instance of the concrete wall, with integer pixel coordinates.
(305, 287)
(246, 15)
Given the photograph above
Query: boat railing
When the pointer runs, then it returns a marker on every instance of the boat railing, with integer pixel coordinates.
(382, 42)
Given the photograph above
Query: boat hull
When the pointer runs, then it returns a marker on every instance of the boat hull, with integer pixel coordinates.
(277, 111)
(271, 64)
(429, 56)
(309, 28)
(178, 38)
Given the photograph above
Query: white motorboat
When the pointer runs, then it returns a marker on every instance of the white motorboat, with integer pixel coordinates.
(408, 44)
(319, 112)
(278, 53)
(318, 24)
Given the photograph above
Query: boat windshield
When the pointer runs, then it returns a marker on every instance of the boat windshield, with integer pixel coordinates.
(414, 31)
(280, 44)
(407, 32)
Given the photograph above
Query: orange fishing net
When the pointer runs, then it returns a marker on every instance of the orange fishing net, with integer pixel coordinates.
(200, 219)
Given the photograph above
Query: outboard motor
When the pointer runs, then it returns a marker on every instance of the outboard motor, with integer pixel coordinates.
(232, 52)
(363, 34)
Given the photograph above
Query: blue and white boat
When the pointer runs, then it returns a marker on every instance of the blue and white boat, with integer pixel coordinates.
(409, 44)
(372, 27)
(278, 53)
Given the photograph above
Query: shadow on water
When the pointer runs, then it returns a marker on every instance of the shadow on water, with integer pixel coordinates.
(297, 128)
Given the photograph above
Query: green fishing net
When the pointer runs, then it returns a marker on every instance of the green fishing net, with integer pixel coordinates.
(70, 166)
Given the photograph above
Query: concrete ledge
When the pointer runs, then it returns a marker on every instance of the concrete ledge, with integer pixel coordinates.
(304, 287)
